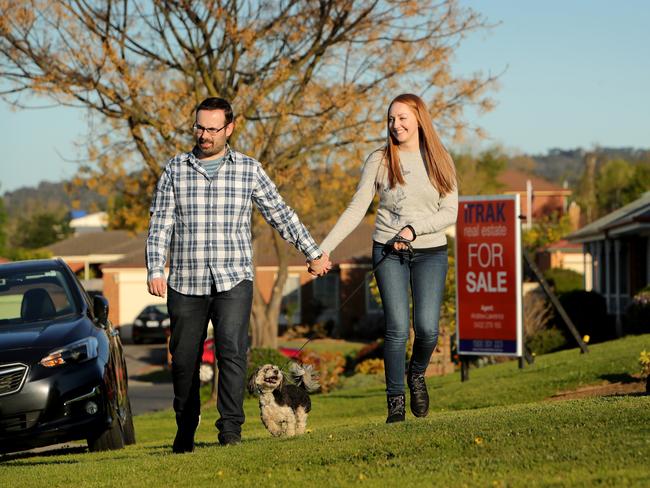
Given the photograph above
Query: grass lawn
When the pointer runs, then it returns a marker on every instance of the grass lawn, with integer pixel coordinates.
(498, 429)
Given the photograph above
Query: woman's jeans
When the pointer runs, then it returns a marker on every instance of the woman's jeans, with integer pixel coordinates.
(189, 316)
(424, 274)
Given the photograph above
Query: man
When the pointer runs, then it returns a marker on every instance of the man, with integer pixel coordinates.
(201, 214)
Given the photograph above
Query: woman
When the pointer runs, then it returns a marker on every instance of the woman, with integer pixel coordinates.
(418, 199)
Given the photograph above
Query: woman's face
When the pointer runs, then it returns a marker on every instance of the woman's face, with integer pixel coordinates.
(403, 125)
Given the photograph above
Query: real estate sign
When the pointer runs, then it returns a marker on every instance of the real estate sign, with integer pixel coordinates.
(488, 276)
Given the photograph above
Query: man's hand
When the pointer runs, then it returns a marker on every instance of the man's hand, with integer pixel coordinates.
(319, 267)
(157, 287)
(407, 234)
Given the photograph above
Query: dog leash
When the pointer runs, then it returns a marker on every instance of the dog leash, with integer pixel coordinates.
(389, 244)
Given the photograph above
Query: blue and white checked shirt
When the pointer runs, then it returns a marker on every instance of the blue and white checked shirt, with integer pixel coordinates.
(206, 223)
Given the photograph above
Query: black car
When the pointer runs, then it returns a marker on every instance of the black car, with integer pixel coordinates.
(151, 324)
(62, 370)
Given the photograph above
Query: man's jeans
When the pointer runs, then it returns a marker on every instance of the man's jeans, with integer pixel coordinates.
(189, 315)
(424, 273)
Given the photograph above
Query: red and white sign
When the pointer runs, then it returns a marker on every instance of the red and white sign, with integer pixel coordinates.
(488, 276)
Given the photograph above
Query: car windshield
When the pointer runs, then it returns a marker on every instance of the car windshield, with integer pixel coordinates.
(162, 308)
(34, 296)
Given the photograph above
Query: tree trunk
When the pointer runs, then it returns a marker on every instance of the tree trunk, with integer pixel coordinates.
(590, 186)
(264, 317)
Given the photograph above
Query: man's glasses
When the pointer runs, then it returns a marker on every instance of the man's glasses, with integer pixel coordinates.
(210, 130)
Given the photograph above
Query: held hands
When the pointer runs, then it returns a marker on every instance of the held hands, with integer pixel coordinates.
(407, 234)
(319, 267)
(157, 287)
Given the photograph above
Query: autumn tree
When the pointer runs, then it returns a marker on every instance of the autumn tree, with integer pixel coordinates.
(309, 80)
(478, 175)
(620, 182)
(609, 184)
(3, 228)
(586, 194)
(546, 231)
(41, 229)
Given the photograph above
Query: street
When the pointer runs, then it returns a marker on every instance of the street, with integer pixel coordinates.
(142, 363)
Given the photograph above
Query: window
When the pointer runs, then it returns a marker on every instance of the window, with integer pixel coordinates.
(326, 297)
(290, 306)
(34, 296)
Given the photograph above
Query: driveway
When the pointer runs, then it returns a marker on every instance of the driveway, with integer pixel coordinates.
(148, 389)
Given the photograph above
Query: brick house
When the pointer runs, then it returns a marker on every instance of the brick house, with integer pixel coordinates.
(544, 197)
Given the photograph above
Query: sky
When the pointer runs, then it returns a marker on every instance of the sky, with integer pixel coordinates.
(574, 73)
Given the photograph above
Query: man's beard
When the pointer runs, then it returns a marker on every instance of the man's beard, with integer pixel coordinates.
(209, 149)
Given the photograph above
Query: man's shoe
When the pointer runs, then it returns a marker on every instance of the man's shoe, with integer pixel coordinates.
(229, 438)
(183, 443)
(419, 394)
(396, 408)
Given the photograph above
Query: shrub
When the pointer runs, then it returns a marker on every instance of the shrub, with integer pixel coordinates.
(370, 366)
(328, 366)
(588, 312)
(312, 331)
(637, 315)
(644, 361)
(368, 327)
(545, 341)
(261, 355)
(373, 350)
(537, 313)
(564, 280)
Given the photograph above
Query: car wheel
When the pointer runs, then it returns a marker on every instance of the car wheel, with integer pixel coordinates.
(109, 440)
(137, 340)
(129, 430)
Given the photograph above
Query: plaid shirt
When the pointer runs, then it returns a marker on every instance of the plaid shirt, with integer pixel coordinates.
(208, 223)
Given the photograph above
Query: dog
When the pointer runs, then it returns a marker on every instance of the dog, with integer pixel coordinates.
(284, 406)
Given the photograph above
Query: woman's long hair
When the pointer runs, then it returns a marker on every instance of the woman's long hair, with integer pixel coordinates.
(440, 166)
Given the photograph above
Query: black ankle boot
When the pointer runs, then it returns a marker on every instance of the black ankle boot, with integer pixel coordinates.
(184, 442)
(419, 394)
(396, 408)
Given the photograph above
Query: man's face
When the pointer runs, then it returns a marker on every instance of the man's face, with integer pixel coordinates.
(211, 142)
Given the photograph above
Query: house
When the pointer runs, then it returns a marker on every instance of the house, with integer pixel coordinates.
(82, 222)
(619, 247)
(567, 255)
(86, 252)
(539, 194)
(113, 262)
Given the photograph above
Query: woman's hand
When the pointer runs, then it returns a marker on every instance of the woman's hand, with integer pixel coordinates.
(406, 233)
(319, 267)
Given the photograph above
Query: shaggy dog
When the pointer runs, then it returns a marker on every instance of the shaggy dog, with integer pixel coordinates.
(283, 406)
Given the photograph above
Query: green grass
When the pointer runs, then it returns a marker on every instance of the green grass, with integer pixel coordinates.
(497, 429)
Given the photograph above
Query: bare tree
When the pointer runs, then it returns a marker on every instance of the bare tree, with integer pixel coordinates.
(310, 80)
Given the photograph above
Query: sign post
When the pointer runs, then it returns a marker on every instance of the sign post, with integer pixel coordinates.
(489, 276)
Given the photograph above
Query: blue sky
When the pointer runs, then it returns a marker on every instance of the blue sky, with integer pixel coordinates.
(576, 75)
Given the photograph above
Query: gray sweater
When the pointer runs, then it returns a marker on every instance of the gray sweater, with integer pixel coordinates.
(416, 203)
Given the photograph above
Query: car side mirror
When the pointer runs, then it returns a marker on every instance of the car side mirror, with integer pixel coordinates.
(100, 309)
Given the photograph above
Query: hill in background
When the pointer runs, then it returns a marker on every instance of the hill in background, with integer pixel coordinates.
(561, 165)
(48, 196)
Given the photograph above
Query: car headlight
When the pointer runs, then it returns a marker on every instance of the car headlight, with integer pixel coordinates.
(75, 352)
(138, 322)
(165, 323)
